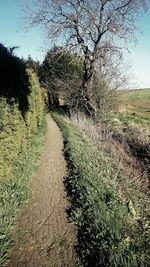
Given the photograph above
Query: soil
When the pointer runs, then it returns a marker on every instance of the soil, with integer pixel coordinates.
(45, 238)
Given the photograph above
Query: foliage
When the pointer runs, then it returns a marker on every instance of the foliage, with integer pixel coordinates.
(14, 190)
(33, 116)
(61, 72)
(99, 30)
(15, 129)
(21, 115)
(12, 136)
(13, 78)
(105, 97)
(33, 64)
(108, 231)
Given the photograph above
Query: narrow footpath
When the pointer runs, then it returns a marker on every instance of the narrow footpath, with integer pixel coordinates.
(44, 236)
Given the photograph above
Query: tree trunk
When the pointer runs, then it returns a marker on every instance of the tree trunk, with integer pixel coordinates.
(86, 87)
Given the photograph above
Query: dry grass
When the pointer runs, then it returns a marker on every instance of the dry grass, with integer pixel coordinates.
(136, 172)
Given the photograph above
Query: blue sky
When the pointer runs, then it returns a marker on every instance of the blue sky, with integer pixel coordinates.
(13, 34)
(31, 43)
(139, 56)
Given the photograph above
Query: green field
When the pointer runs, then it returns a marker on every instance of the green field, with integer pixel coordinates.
(138, 101)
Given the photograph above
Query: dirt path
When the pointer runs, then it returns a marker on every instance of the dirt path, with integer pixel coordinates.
(45, 238)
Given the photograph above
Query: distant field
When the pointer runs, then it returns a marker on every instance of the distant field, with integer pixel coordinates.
(138, 101)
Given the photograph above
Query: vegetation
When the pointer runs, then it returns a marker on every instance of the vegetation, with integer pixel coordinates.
(61, 74)
(21, 138)
(34, 114)
(96, 30)
(12, 136)
(108, 206)
(138, 102)
(112, 229)
(14, 190)
(130, 126)
(14, 81)
(15, 129)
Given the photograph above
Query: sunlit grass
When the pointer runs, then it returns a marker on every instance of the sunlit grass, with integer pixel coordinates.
(106, 218)
(138, 101)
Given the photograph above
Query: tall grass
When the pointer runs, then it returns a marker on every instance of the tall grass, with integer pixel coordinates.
(110, 232)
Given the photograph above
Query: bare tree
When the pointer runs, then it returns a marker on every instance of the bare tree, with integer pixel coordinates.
(95, 28)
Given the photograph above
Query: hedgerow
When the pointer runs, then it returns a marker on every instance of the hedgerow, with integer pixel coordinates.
(33, 116)
(109, 233)
(12, 136)
(16, 129)
(21, 141)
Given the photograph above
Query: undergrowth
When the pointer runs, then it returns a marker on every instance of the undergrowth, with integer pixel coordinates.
(110, 233)
(133, 133)
(14, 190)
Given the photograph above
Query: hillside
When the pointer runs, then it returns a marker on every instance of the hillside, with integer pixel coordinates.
(138, 101)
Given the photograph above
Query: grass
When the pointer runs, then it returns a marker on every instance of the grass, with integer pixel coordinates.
(131, 127)
(110, 230)
(14, 190)
(138, 102)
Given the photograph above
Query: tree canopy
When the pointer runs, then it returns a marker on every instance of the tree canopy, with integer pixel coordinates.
(95, 29)
(61, 73)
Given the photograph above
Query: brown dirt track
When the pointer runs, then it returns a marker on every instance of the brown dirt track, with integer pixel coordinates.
(44, 237)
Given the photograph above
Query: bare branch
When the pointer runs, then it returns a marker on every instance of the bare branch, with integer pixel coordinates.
(96, 28)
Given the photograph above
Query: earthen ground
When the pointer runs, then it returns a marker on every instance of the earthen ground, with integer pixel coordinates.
(45, 238)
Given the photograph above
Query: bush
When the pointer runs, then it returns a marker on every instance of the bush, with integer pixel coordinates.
(16, 129)
(21, 114)
(33, 116)
(61, 73)
(12, 136)
(13, 78)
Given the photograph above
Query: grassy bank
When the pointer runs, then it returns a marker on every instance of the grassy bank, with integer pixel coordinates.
(138, 101)
(14, 190)
(130, 126)
(111, 231)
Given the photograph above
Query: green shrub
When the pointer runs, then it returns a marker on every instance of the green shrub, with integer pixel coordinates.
(33, 116)
(14, 79)
(12, 135)
(14, 129)
(109, 233)
(21, 140)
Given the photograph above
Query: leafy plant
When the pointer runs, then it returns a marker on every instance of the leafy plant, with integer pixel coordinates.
(12, 136)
